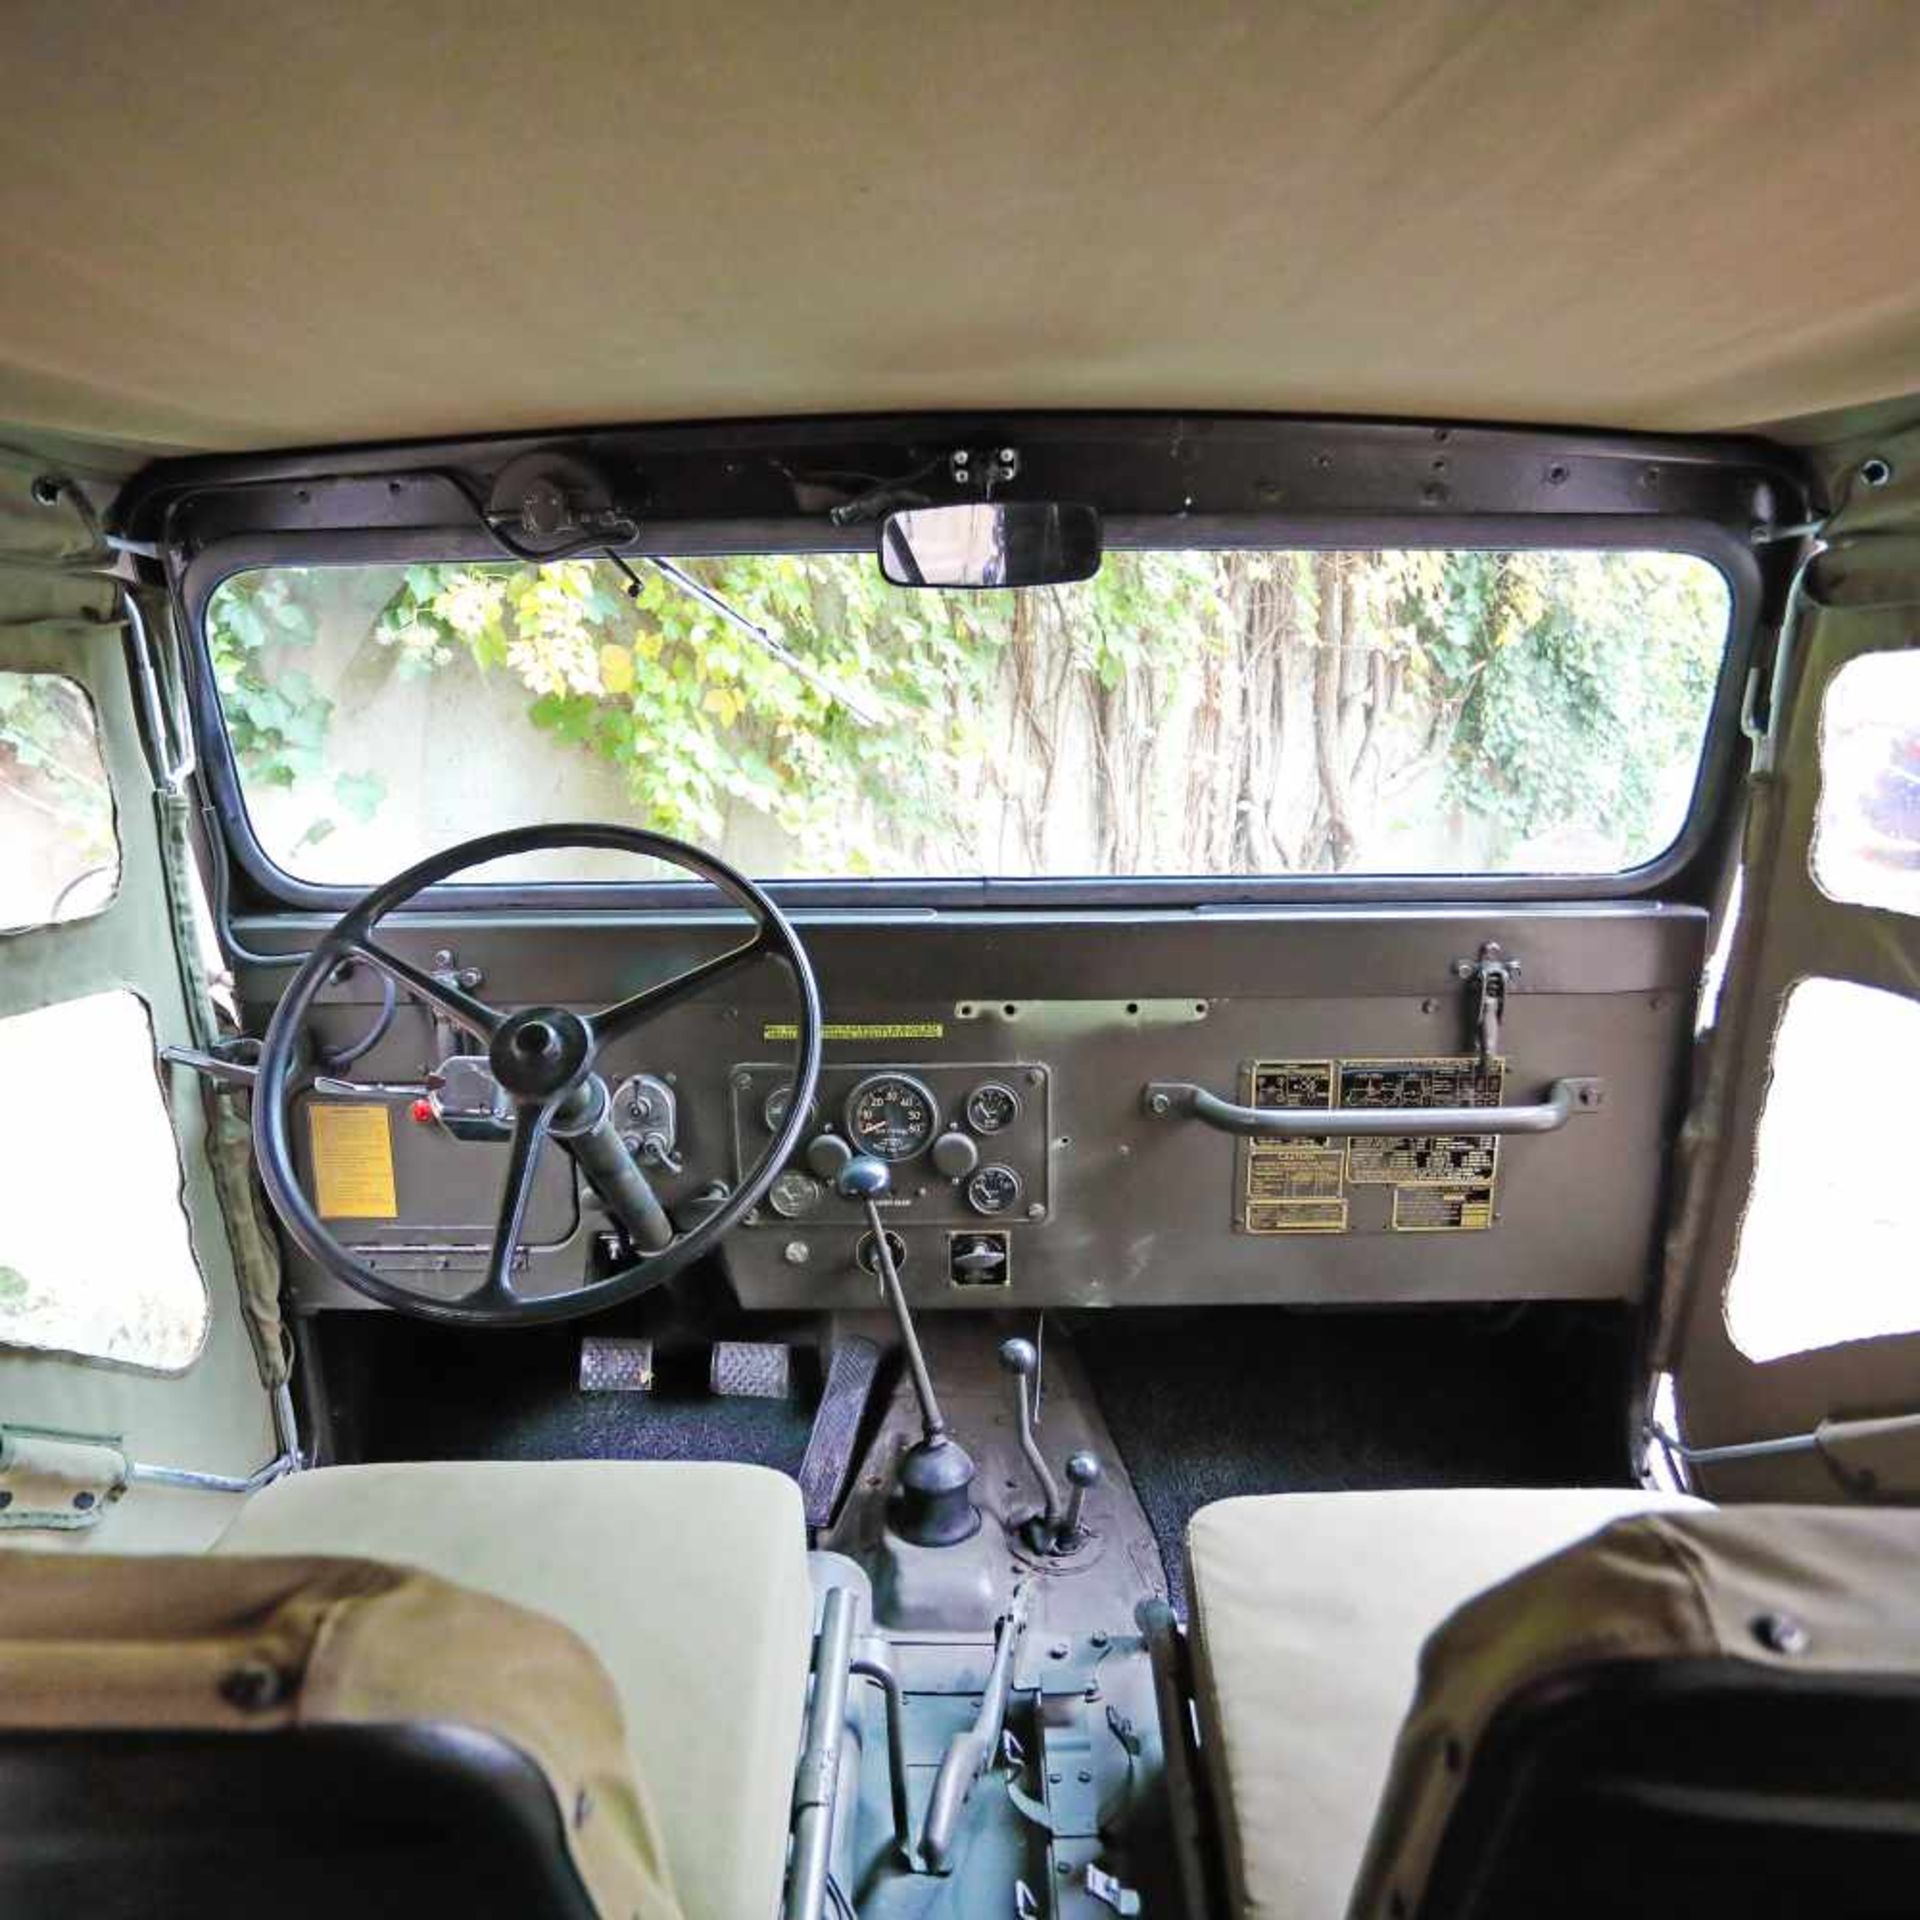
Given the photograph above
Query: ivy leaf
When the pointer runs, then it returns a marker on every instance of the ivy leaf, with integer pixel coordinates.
(360, 793)
(616, 669)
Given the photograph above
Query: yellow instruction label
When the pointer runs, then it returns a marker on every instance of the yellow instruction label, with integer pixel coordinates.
(858, 1030)
(352, 1161)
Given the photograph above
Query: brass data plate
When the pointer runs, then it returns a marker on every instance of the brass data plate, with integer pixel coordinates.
(1293, 1186)
(1443, 1183)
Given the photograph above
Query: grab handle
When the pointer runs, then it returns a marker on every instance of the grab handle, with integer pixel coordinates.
(1181, 1100)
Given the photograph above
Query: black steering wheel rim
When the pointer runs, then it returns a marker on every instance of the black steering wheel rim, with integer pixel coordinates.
(351, 937)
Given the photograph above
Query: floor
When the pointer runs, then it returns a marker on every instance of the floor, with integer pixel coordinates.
(1195, 1406)
(404, 1390)
(1208, 1405)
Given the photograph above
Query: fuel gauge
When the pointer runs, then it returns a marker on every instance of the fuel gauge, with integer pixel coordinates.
(994, 1189)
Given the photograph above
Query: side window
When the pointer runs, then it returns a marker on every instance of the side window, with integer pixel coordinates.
(95, 1254)
(56, 805)
(1826, 1249)
(1866, 839)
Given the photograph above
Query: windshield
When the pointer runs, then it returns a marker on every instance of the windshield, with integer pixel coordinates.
(1183, 713)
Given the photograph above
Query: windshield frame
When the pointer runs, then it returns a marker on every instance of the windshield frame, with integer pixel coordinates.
(270, 887)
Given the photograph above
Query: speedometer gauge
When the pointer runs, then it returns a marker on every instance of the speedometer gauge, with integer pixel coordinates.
(891, 1116)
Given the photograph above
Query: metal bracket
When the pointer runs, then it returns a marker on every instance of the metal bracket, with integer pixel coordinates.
(1488, 979)
(985, 469)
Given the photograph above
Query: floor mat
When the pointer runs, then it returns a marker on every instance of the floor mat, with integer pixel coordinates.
(404, 1391)
(1207, 1405)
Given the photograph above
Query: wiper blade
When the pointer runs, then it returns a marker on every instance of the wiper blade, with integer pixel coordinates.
(769, 643)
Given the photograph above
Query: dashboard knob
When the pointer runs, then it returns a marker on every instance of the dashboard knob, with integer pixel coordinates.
(863, 1179)
(826, 1155)
(955, 1155)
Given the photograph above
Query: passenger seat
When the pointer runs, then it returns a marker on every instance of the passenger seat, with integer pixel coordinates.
(1309, 1611)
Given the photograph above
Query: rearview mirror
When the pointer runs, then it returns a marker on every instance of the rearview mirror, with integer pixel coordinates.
(991, 543)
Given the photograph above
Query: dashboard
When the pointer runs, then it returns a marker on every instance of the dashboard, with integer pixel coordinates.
(1028, 1165)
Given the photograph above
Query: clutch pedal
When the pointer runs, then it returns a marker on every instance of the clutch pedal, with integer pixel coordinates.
(828, 1464)
(615, 1366)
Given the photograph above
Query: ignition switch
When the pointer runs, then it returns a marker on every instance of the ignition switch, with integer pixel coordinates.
(648, 1117)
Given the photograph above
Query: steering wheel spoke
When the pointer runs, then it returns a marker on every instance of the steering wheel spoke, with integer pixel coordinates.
(456, 1003)
(650, 1002)
(531, 1123)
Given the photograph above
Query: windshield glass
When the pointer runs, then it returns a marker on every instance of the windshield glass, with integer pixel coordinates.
(1182, 713)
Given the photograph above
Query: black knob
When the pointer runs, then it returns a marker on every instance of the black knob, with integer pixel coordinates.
(826, 1155)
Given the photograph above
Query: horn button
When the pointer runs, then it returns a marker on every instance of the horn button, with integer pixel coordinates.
(540, 1052)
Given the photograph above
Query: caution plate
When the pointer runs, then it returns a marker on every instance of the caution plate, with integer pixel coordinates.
(352, 1161)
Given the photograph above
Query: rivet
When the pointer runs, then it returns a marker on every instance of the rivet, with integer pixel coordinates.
(83, 1501)
(1097, 1639)
(1059, 1650)
(1054, 1779)
(1781, 1633)
(253, 1686)
(1086, 1776)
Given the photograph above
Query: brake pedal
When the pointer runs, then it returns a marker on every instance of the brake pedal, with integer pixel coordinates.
(753, 1369)
(829, 1462)
(615, 1366)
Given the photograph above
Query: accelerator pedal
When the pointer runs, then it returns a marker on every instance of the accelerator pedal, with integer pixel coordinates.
(615, 1366)
(829, 1461)
(753, 1369)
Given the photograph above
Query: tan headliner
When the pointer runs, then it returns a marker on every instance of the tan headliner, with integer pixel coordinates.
(252, 225)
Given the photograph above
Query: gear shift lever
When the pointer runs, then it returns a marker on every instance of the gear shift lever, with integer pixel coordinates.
(1057, 1527)
(936, 1473)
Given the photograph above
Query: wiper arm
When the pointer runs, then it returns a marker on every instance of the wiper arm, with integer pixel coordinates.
(770, 644)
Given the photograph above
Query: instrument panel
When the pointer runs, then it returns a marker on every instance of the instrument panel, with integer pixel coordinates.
(966, 1142)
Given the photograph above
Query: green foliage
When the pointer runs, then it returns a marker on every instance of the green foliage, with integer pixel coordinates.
(50, 760)
(1579, 679)
(1554, 690)
(278, 720)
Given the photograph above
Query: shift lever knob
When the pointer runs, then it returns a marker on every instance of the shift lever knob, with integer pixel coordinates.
(863, 1178)
(1021, 1358)
(1083, 1475)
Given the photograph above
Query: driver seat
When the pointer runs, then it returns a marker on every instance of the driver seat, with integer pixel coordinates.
(586, 1677)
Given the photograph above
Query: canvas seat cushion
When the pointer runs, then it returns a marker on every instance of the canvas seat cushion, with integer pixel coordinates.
(689, 1581)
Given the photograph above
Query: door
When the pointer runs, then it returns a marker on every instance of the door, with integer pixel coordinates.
(1795, 1335)
(133, 1380)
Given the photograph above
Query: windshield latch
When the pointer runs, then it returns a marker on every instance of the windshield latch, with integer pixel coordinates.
(1488, 977)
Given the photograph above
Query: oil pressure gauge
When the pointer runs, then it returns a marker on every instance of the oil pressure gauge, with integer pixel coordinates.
(994, 1189)
(891, 1116)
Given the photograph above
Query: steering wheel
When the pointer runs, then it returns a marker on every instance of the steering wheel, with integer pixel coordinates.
(545, 1058)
